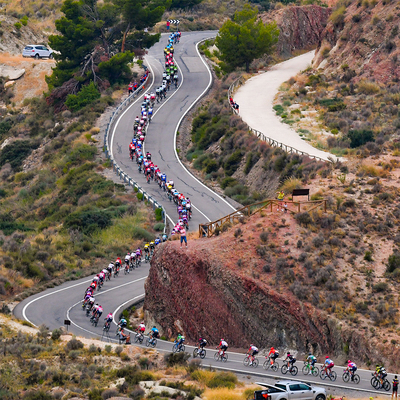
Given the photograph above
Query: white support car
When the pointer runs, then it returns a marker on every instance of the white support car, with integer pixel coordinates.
(290, 390)
(37, 51)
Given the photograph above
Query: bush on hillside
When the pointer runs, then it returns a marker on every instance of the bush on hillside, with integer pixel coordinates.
(85, 96)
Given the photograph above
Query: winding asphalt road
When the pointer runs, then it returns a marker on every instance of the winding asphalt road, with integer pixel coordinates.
(195, 79)
(53, 306)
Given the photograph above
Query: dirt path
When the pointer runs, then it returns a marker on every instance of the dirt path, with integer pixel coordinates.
(256, 97)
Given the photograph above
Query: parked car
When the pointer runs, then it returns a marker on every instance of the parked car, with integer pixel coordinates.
(290, 390)
(37, 51)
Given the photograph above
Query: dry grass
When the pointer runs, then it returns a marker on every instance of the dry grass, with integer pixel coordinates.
(371, 170)
(290, 184)
(223, 394)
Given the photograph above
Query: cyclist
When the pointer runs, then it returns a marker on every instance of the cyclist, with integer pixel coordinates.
(150, 113)
(147, 251)
(312, 360)
(329, 364)
(138, 253)
(273, 355)
(179, 340)
(108, 320)
(164, 237)
(127, 260)
(352, 367)
(381, 371)
(152, 247)
(223, 346)
(154, 332)
(141, 329)
(110, 268)
(202, 344)
(122, 323)
(118, 262)
(252, 352)
(157, 241)
(290, 360)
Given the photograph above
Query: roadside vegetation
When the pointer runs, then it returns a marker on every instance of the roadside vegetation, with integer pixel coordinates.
(48, 365)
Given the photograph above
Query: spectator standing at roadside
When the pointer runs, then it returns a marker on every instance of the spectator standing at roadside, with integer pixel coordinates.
(395, 385)
(168, 25)
(182, 231)
(281, 196)
(130, 88)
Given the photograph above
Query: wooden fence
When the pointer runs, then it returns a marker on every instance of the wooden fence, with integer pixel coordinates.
(211, 228)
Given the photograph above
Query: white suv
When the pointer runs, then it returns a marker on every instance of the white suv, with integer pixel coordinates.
(37, 51)
(290, 390)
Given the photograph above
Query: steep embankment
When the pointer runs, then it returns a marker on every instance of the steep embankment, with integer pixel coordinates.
(362, 41)
(252, 283)
(300, 27)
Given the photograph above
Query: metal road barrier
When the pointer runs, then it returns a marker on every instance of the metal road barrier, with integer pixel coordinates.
(118, 170)
(272, 142)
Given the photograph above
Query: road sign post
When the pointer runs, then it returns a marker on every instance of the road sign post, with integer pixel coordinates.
(67, 323)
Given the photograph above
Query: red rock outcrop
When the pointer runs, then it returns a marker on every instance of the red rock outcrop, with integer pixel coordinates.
(216, 288)
(300, 27)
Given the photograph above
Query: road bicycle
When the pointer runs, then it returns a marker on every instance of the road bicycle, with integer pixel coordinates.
(267, 364)
(325, 374)
(126, 269)
(377, 384)
(106, 327)
(347, 376)
(218, 356)
(94, 320)
(292, 369)
(138, 261)
(199, 352)
(176, 348)
(147, 257)
(139, 338)
(151, 342)
(308, 369)
(248, 363)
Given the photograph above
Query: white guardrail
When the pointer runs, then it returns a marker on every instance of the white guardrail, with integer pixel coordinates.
(118, 170)
(272, 142)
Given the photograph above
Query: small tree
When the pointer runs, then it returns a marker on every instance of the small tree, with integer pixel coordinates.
(244, 39)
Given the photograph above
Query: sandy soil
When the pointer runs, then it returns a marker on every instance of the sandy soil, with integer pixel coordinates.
(32, 83)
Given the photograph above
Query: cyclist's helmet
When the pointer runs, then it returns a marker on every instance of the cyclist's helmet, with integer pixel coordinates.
(309, 353)
(326, 357)
(251, 344)
(272, 348)
(142, 322)
(349, 361)
(222, 340)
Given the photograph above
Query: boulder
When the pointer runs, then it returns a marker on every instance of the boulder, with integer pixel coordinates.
(11, 73)
(9, 83)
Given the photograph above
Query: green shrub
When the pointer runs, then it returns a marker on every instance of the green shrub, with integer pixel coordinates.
(232, 162)
(56, 334)
(16, 152)
(142, 234)
(380, 287)
(24, 20)
(278, 109)
(159, 227)
(37, 395)
(88, 221)
(223, 379)
(87, 95)
(18, 25)
(228, 181)
(360, 137)
(116, 69)
(82, 152)
(393, 262)
(159, 213)
(337, 17)
(176, 359)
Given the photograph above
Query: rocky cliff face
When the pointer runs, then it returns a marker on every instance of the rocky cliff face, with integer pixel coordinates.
(221, 287)
(362, 42)
(300, 27)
